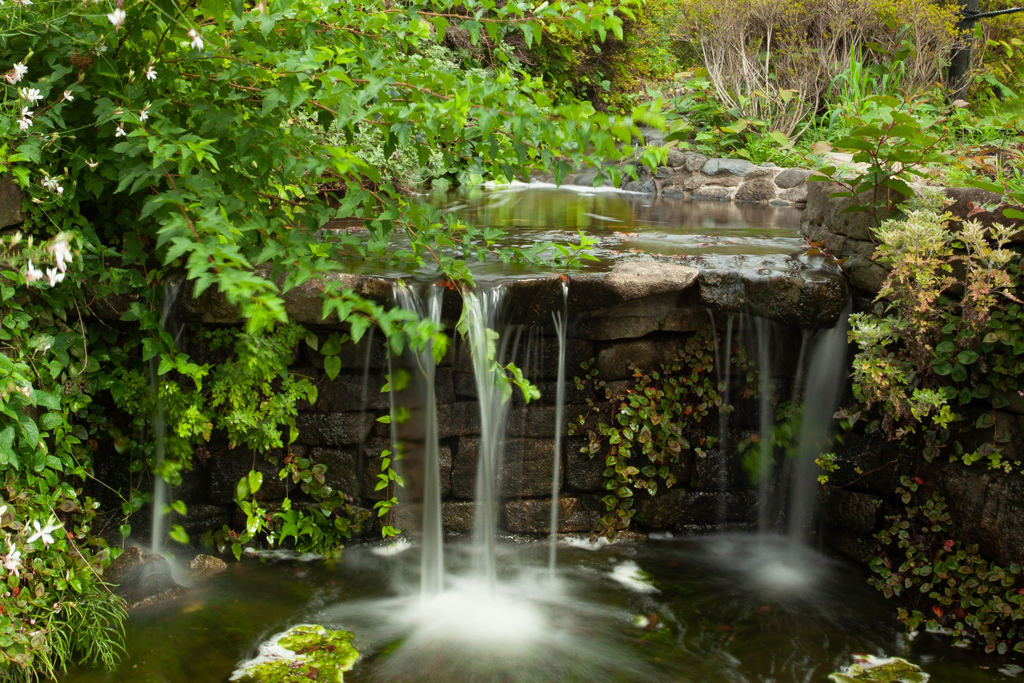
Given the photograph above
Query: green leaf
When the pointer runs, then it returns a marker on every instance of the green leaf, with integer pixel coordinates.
(178, 534)
(332, 365)
(255, 481)
(242, 489)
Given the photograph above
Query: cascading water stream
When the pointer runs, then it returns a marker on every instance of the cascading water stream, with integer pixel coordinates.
(826, 377)
(561, 319)
(432, 559)
(482, 309)
(160, 430)
(766, 455)
(432, 573)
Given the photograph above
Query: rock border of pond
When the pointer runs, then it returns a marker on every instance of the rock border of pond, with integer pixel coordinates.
(689, 175)
(631, 298)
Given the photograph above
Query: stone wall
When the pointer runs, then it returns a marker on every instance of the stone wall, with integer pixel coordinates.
(10, 203)
(638, 314)
(848, 235)
(690, 175)
(986, 506)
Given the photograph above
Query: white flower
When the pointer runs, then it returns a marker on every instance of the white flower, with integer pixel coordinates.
(55, 276)
(117, 18)
(150, 73)
(119, 133)
(12, 561)
(68, 96)
(52, 185)
(52, 524)
(197, 40)
(92, 164)
(32, 274)
(60, 250)
(31, 94)
(16, 73)
(144, 114)
(25, 122)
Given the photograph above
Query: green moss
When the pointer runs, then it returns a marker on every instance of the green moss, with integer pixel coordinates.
(318, 654)
(876, 670)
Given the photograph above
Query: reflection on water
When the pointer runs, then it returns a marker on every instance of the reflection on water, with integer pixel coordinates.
(710, 234)
(716, 609)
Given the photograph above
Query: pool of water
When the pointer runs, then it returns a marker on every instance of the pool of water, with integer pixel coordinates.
(717, 235)
(733, 608)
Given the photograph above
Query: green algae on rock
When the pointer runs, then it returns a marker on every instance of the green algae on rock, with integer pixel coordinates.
(869, 669)
(303, 653)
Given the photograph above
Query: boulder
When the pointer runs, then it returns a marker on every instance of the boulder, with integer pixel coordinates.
(713, 193)
(205, 566)
(10, 203)
(685, 180)
(675, 158)
(791, 177)
(756, 191)
(871, 669)
(307, 652)
(736, 167)
(694, 161)
(142, 578)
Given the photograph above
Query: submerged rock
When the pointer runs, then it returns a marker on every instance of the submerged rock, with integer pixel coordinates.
(142, 578)
(307, 652)
(204, 566)
(880, 670)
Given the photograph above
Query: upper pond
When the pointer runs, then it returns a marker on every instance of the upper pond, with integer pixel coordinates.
(708, 235)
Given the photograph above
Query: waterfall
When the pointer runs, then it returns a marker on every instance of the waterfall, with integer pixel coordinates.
(432, 534)
(160, 429)
(766, 454)
(823, 388)
(482, 309)
(560, 319)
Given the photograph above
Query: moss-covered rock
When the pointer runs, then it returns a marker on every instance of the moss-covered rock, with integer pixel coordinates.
(880, 670)
(303, 653)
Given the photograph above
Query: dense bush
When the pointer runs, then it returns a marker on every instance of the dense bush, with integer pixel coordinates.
(777, 61)
(947, 587)
(210, 142)
(943, 335)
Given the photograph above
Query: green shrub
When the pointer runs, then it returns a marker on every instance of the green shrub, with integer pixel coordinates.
(776, 61)
(947, 586)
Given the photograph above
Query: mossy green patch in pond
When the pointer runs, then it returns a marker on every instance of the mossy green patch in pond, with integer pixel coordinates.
(303, 653)
(870, 669)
